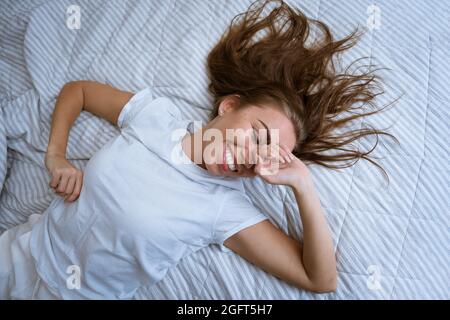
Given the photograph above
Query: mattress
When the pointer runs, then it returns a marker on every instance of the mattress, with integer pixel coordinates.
(391, 240)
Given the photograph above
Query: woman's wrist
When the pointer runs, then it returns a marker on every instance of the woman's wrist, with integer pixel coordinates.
(303, 185)
(307, 198)
(55, 151)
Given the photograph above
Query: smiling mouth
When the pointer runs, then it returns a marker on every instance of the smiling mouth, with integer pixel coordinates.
(229, 160)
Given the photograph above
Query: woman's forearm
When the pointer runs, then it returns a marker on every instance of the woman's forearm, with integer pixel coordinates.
(67, 108)
(318, 252)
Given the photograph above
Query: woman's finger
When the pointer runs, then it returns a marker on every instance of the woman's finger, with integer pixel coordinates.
(289, 153)
(77, 188)
(259, 164)
(55, 179)
(271, 153)
(70, 185)
(285, 154)
(62, 183)
(279, 154)
(264, 152)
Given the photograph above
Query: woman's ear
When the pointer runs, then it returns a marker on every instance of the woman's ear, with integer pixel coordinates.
(229, 103)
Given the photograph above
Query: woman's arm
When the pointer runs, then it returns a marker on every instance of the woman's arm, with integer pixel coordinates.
(311, 266)
(99, 99)
(318, 253)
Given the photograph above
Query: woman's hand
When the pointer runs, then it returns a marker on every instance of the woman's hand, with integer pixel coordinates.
(66, 180)
(283, 168)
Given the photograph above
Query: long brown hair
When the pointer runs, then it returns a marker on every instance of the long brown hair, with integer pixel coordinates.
(271, 58)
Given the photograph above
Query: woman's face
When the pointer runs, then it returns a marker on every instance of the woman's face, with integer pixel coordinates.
(242, 134)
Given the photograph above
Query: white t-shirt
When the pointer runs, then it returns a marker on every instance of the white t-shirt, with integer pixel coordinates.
(139, 211)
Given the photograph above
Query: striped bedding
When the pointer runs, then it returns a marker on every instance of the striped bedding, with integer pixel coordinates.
(391, 241)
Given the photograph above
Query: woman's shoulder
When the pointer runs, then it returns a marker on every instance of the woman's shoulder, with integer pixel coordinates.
(145, 104)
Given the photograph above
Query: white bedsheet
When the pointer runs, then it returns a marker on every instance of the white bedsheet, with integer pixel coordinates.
(391, 242)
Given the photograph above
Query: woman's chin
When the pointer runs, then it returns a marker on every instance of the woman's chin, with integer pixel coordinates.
(219, 170)
(214, 169)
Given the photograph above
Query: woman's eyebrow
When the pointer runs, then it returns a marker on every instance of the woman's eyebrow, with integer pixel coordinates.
(268, 132)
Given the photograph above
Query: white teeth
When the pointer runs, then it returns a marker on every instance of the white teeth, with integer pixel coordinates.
(229, 159)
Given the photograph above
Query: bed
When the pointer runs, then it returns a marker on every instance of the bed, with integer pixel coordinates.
(391, 241)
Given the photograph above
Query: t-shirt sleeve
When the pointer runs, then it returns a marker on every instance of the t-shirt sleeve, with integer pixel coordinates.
(237, 213)
(135, 105)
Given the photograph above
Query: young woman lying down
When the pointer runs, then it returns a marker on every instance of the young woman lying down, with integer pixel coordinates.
(164, 188)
